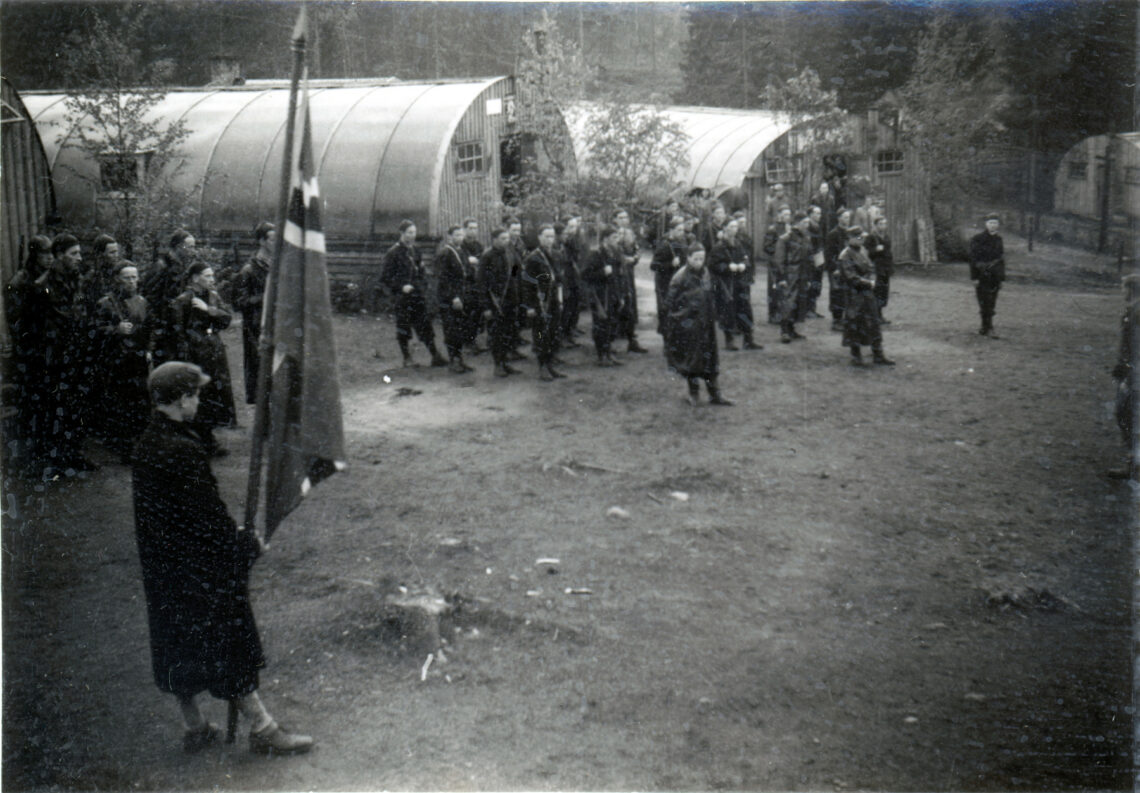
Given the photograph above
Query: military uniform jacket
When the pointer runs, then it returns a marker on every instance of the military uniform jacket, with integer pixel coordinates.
(666, 253)
(608, 290)
(403, 264)
(457, 278)
(857, 269)
(833, 245)
(879, 250)
(792, 261)
(249, 290)
(987, 257)
(499, 279)
(726, 253)
(113, 309)
(541, 280)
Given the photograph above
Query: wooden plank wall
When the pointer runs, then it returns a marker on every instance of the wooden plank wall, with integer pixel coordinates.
(475, 195)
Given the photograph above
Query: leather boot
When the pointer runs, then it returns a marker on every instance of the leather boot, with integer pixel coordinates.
(694, 393)
(729, 343)
(857, 355)
(878, 357)
(750, 343)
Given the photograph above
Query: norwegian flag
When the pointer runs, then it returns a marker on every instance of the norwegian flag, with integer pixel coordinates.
(305, 433)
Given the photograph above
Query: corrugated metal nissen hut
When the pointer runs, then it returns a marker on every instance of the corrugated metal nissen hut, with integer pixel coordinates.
(1097, 193)
(434, 152)
(28, 197)
(740, 154)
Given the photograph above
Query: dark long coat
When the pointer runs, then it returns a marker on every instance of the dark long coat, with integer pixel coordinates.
(196, 340)
(732, 288)
(792, 263)
(690, 325)
(125, 402)
(861, 314)
(195, 568)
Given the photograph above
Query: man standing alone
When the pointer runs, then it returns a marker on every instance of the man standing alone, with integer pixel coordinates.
(195, 566)
(987, 268)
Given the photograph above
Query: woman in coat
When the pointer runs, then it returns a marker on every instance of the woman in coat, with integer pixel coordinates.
(196, 317)
(690, 328)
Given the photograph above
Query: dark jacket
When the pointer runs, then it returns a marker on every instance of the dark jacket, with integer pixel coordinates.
(607, 291)
(195, 568)
(541, 277)
(664, 255)
(879, 250)
(249, 292)
(499, 280)
(690, 325)
(403, 264)
(195, 339)
(987, 257)
(456, 277)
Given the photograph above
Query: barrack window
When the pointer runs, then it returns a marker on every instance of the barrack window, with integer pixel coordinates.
(123, 173)
(469, 158)
(1078, 170)
(781, 170)
(890, 161)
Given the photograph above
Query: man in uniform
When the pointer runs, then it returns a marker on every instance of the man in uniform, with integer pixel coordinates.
(121, 320)
(541, 286)
(402, 271)
(791, 269)
(195, 568)
(630, 254)
(670, 256)
(603, 275)
(781, 227)
(249, 296)
(472, 248)
(499, 294)
(879, 249)
(732, 271)
(833, 245)
(569, 247)
(861, 316)
(456, 293)
(60, 324)
(987, 268)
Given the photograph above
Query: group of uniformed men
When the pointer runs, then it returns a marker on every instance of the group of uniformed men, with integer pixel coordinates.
(507, 287)
(85, 340)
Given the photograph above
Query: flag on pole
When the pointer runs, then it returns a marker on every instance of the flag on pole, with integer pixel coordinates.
(305, 433)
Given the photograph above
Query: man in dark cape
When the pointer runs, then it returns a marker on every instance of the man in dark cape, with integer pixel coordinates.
(195, 567)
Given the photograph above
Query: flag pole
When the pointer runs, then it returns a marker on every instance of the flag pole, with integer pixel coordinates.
(269, 304)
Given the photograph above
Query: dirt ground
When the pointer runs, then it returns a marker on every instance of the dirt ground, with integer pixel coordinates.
(914, 578)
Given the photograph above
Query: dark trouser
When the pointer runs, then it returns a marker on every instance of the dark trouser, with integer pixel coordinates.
(546, 334)
(882, 290)
(572, 291)
(987, 292)
(661, 279)
(741, 306)
(604, 332)
(773, 300)
(836, 295)
(710, 384)
(456, 330)
(411, 314)
(814, 289)
(501, 330)
(627, 326)
(250, 336)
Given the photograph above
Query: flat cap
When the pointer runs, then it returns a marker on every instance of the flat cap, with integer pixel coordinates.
(173, 380)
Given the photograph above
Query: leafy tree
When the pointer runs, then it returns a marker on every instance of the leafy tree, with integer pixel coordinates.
(633, 155)
(951, 108)
(111, 119)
